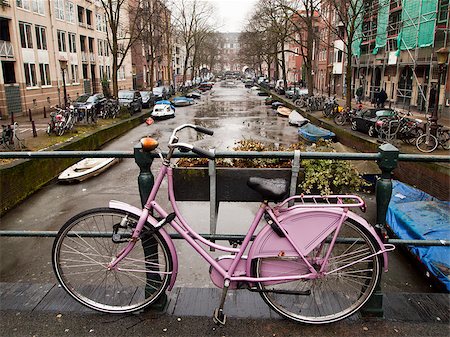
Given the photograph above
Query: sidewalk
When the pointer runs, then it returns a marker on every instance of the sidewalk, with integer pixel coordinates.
(427, 313)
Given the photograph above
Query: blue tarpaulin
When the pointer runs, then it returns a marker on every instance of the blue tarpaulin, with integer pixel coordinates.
(414, 214)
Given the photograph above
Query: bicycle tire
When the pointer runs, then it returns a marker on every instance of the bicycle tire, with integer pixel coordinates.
(80, 263)
(424, 146)
(444, 139)
(331, 297)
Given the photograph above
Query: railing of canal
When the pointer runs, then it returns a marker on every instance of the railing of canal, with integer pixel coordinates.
(387, 158)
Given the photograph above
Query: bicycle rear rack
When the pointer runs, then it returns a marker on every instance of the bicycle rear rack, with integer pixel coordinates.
(322, 201)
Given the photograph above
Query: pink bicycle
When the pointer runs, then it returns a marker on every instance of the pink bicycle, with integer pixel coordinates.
(314, 261)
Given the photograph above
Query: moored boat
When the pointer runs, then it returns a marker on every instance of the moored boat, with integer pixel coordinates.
(313, 133)
(296, 119)
(284, 111)
(182, 101)
(86, 168)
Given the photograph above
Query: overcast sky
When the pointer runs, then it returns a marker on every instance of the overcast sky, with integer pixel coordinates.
(232, 14)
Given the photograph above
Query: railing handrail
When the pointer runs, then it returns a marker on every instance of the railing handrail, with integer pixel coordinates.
(223, 154)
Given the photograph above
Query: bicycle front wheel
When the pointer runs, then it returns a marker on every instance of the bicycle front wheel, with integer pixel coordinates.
(88, 242)
(350, 277)
(426, 143)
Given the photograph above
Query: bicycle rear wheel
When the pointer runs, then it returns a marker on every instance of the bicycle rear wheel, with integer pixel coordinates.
(336, 294)
(426, 143)
(85, 246)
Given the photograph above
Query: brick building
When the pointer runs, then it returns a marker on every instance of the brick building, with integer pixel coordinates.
(40, 41)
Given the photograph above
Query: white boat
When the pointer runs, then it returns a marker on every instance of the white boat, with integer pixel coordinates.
(163, 110)
(86, 168)
(296, 119)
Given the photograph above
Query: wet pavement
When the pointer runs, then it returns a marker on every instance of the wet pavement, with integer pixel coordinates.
(234, 114)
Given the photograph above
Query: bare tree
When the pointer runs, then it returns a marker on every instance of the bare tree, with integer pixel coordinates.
(124, 21)
(192, 23)
(345, 27)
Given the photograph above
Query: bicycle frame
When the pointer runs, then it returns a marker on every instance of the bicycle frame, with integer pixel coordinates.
(189, 235)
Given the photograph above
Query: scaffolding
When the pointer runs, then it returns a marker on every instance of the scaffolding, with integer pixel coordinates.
(400, 25)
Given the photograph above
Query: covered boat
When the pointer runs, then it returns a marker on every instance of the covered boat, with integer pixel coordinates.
(163, 109)
(194, 94)
(415, 215)
(296, 119)
(86, 168)
(313, 133)
(284, 111)
(182, 101)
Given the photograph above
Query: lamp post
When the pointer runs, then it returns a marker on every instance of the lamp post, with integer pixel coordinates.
(63, 64)
(442, 56)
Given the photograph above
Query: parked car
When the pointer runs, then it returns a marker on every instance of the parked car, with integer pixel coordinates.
(160, 93)
(364, 120)
(88, 103)
(148, 99)
(131, 100)
(248, 83)
(204, 86)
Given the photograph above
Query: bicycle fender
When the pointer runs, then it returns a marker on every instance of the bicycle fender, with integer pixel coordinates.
(137, 211)
(319, 225)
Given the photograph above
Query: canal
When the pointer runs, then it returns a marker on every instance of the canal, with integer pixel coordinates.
(234, 114)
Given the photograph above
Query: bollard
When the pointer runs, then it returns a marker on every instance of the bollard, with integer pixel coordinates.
(45, 113)
(29, 115)
(387, 163)
(145, 183)
(33, 126)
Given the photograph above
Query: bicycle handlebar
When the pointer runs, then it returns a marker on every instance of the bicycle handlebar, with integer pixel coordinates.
(173, 141)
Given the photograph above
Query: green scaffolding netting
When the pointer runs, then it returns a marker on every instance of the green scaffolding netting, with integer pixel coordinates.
(357, 38)
(382, 24)
(419, 20)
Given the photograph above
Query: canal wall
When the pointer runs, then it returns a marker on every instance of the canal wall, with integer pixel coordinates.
(432, 178)
(21, 178)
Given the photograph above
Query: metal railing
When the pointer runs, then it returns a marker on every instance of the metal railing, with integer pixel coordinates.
(387, 158)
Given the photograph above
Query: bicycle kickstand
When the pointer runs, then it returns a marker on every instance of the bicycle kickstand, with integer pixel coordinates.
(219, 317)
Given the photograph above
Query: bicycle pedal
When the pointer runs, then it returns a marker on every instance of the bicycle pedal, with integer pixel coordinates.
(219, 317)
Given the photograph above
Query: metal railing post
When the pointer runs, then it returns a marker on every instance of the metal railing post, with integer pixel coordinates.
(145, 178)
(387, 163)
(146, 181)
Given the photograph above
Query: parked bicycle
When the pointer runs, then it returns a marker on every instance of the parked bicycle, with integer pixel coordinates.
(398, 126)
(110, 110)
(61, 120)
(428, 142)
(313, 262)
(9, 139)
(345, 116)
(331, 107)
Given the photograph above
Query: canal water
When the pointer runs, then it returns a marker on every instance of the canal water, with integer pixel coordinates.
(234, 114)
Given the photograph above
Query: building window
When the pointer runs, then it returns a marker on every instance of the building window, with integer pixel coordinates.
(30, 74)
(82, 43)
(72, 42)
(38, 6)
(45, 74)
(70, 12)
(339, 56)
(59, 9)
(61, 40)
(91, 44)
(443, 11)
(74, 73)
(25, 35)
(85, 71)
(24, 4)
(98, 22)
(101, 72)
(104, 24)
(9, 75)
(88, 17)
(105, 43)
(80, 15)
(100, 47)
(41, 38)
(108, 72)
